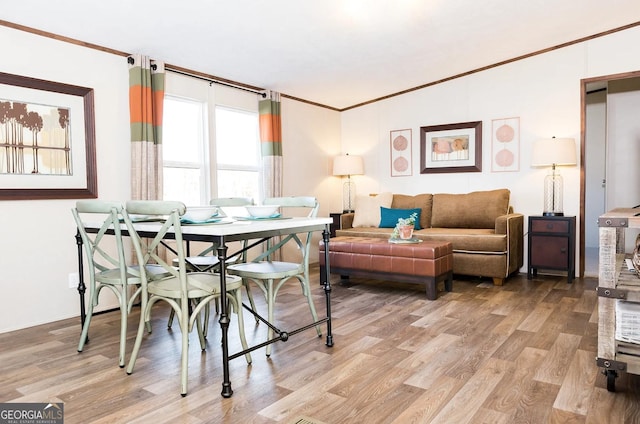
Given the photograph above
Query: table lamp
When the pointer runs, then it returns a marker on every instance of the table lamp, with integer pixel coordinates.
(553, 152)
(348, 165)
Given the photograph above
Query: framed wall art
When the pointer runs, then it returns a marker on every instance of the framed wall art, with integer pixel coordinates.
(47, 140)
(451, 148)
(400, 145)
(505, 145)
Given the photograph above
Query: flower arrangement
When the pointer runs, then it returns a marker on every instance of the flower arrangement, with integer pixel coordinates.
(404, 222)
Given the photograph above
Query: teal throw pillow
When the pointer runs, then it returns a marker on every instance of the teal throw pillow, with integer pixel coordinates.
(389, 217)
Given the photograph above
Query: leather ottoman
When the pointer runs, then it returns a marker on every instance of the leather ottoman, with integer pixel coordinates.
(427, 262)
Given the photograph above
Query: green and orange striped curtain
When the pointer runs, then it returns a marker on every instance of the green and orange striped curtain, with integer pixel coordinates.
(271, 145)
(146, 97)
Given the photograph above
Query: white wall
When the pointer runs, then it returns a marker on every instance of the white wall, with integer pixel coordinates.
(38, 249)
(311, 138)
(543, 90)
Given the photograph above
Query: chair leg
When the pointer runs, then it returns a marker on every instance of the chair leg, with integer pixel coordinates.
(237, 294)
(246, 284)
(205, 321)
(130, 302)
(200, 326)
(200, 331)
(170, 320)
(85, 328)
(207, 315)
(270, 302)
(87, 319)
(184, 367)
(141, 327)
(123, 330)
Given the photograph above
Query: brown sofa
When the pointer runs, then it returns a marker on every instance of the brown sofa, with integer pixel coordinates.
(486, 235)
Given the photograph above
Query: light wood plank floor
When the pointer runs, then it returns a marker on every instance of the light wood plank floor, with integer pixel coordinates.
(521, 353)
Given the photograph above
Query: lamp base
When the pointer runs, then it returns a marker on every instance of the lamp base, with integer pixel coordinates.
(348, 211)
(348, 192)
(553, 194)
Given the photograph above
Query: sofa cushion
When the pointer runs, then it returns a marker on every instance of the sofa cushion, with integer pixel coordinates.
(462, 239)
(422, 201)
(478, 209)
(467, 239)
(389, 217)
(367, 209)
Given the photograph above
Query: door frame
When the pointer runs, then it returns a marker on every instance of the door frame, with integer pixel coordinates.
(583, 115)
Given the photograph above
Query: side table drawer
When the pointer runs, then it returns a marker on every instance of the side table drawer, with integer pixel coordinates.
(550, 226)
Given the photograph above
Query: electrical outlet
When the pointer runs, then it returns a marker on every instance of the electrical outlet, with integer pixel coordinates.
(74, 280)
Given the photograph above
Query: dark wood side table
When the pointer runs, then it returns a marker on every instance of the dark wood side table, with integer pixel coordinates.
(552, 245)
(336, 223)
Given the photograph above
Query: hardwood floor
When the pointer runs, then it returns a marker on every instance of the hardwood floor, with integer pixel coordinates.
(521, 353)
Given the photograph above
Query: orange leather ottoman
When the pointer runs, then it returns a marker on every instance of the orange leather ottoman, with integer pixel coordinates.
(428, 262)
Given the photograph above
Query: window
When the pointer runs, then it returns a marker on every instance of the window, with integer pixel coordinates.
(237, 154)
(184, 151)
(210, 141)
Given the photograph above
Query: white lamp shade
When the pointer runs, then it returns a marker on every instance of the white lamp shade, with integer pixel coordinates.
(348, 165)
(554, 151)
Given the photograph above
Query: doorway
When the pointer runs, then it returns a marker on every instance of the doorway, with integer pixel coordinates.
(610, 152)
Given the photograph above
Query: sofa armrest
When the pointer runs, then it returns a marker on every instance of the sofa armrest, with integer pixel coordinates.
(513, 226)
(346, 220)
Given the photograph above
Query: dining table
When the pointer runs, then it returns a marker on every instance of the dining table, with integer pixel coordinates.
(224, 231)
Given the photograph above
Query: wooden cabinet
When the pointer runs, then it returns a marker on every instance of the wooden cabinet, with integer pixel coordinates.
(552, 245)
(617, 283)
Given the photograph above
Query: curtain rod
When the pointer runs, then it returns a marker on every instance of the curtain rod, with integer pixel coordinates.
(214, 81)
(131, 61)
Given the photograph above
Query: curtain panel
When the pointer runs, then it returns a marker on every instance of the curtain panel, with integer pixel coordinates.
(271, 144)
(146, 97)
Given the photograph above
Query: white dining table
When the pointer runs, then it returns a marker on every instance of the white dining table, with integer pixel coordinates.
(230, 230)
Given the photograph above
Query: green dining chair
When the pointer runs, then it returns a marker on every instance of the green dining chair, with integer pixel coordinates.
(105, 259)
(187, 293)
(207, 259)
(270, 275)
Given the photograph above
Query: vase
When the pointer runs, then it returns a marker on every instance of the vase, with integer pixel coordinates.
(405, 231)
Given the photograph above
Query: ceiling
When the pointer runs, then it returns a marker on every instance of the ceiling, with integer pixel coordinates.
(337, 53)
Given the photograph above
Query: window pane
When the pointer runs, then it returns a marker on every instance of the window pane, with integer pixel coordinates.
(182, 130)
(184, 152)
(238, 184)
(182, 184)
(236, 137)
